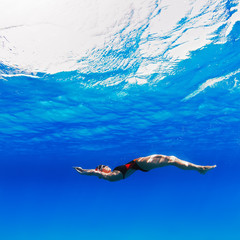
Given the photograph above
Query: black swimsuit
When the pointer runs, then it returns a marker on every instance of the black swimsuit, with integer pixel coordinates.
(131, 165)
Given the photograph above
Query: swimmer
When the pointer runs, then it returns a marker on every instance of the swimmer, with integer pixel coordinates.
(144, 164)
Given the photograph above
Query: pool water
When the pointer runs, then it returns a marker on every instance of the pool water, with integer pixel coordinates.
(124, 81)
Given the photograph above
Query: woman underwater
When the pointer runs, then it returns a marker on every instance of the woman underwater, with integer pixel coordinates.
(144, 164)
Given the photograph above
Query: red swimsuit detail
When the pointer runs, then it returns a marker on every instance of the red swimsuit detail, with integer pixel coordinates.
(131, 165)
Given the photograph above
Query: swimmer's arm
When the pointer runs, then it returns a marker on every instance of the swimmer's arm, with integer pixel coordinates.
(112, 176)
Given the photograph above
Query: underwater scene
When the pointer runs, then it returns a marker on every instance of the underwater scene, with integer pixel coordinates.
(84, 83)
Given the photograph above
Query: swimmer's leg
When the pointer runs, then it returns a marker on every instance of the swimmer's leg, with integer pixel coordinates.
(172, 160)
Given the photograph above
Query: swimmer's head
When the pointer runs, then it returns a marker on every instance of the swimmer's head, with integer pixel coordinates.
(103, 168)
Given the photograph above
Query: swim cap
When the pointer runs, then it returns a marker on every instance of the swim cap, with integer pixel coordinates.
(100, 167)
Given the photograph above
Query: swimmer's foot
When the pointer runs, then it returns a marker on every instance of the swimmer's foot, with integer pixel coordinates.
(204, 169)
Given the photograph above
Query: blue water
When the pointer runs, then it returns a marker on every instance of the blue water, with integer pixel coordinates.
(50, 122)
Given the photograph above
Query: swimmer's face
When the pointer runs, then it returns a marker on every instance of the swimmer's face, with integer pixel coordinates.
(103, 168)
(106, 169)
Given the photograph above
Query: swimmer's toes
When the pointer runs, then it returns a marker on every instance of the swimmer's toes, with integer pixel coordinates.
(212, 167)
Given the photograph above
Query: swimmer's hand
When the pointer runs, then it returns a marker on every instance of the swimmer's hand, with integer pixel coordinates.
(79, 169)
(85, 171)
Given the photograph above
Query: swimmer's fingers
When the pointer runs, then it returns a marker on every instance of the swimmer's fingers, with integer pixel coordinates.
(79, 169)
